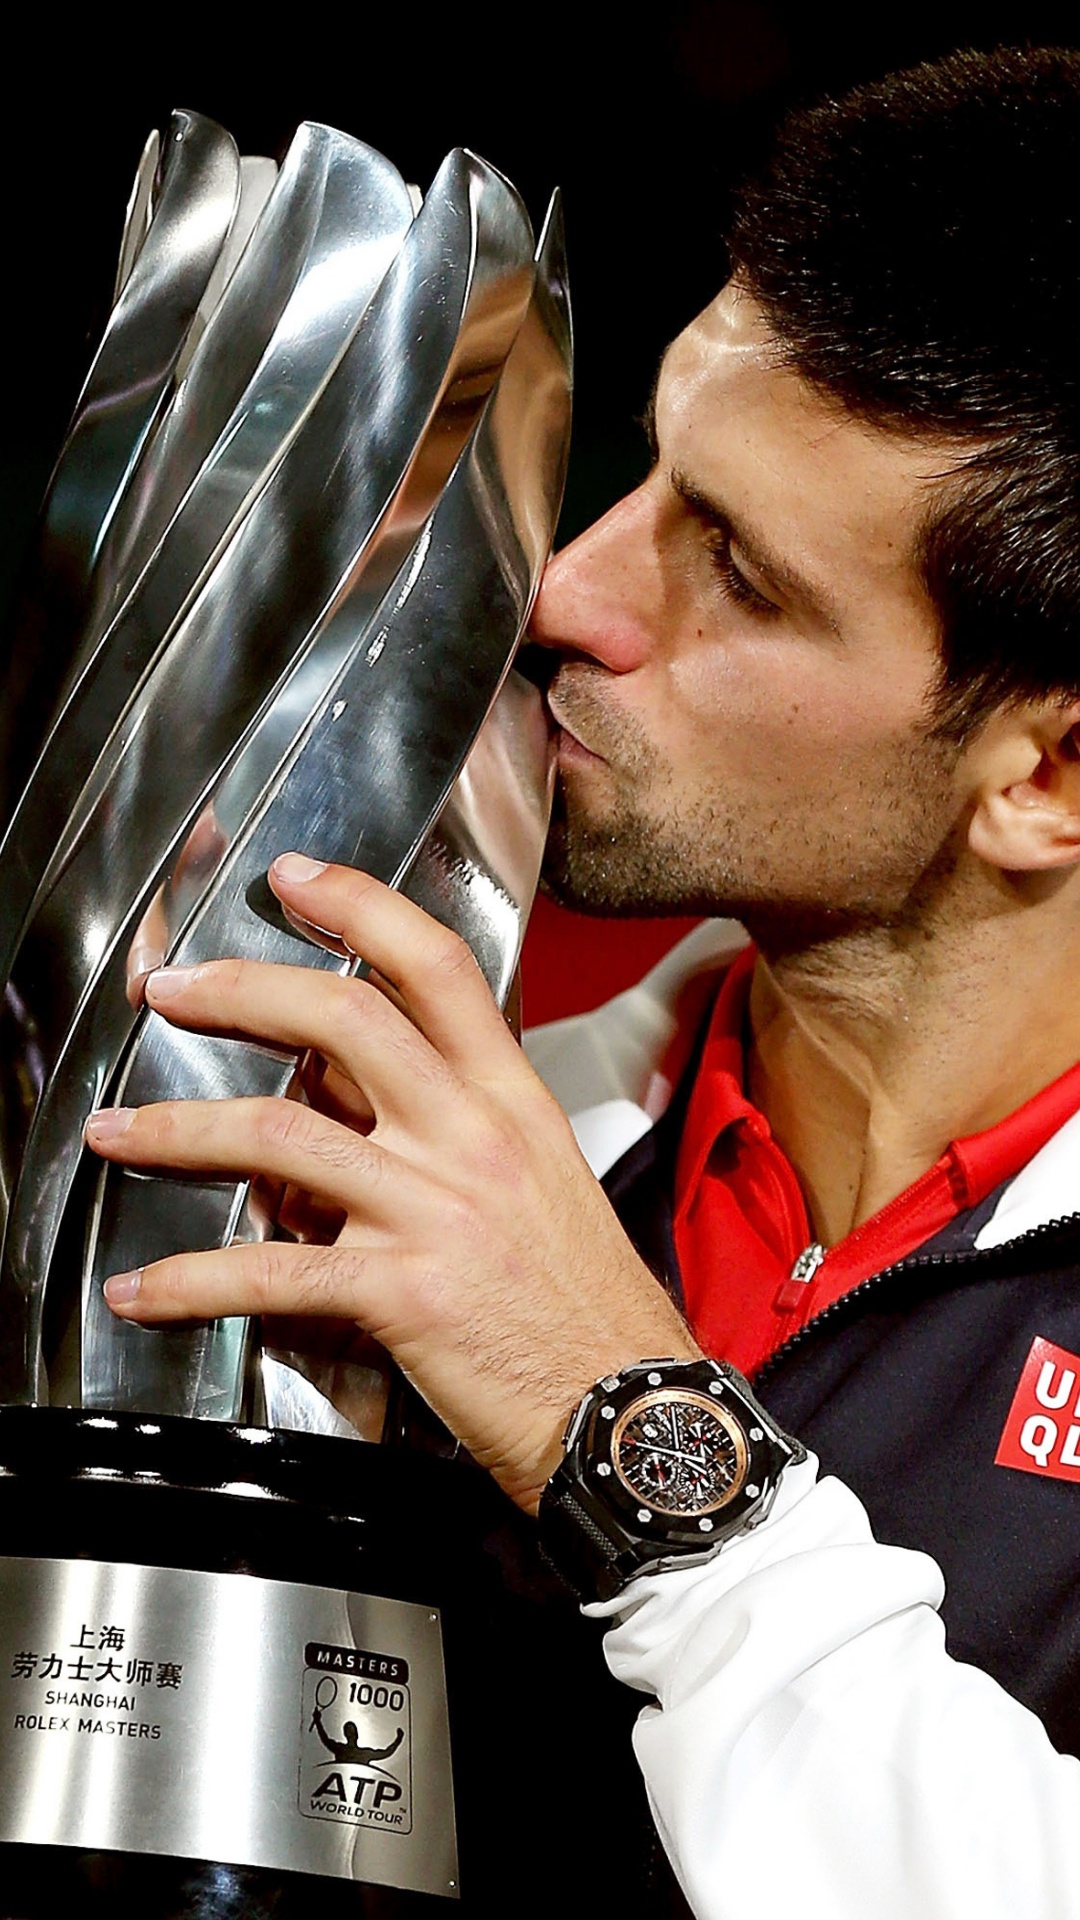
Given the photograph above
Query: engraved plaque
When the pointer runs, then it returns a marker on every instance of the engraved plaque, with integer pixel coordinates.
(225, 1717)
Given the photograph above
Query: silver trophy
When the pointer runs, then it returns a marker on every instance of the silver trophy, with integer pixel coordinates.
(284, 564)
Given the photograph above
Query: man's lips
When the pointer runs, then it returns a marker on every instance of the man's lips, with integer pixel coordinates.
(569, 746)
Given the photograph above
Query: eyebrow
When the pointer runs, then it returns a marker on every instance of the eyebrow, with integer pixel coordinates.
(772, 567)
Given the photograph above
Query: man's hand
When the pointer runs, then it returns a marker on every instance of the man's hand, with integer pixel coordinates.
(476, 1244)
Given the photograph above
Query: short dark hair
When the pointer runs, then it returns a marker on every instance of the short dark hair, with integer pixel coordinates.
(915, 247)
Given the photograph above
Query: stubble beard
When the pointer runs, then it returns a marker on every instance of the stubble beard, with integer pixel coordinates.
(617, 861)
(622, 865)
(792, 884)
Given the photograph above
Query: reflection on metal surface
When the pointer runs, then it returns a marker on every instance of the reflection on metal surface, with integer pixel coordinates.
(137, 216)
(225, 1717)
(289, 599)
(456, 611)
(319, 569)
(125, 390)
(476, 872)
(285, 316)
(293, 1400)
(478, 869)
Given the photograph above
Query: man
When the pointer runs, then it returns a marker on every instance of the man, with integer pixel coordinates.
(818, 671)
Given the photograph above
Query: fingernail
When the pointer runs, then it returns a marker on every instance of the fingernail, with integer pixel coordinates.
(164, 982)
(107, 1122)
(121, 1288)
(143, 960)
(295, 867)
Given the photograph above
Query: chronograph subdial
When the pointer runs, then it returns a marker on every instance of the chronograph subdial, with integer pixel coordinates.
(679, 1452)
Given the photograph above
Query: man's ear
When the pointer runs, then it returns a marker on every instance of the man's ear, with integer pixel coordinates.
(1027, 808)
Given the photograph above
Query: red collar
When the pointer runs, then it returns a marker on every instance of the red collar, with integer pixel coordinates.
(740, 1218)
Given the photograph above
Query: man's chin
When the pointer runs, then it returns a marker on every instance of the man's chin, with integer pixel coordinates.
(578, 900)
(626, 872)
(778, 929)
(607, 875)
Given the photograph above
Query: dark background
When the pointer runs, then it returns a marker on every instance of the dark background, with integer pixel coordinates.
(644, 121)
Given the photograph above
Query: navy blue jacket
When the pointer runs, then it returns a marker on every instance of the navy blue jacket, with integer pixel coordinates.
(902, 1389)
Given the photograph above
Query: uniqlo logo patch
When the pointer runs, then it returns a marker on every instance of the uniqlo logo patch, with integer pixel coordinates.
(1042, 1432)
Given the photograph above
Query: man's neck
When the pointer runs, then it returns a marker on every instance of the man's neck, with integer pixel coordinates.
(870, 1053)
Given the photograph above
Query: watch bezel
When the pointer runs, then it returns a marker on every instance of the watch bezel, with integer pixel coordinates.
(595, 1529)
(654, 1530)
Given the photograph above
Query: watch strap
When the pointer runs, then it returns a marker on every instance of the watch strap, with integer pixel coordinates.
(585, 1557)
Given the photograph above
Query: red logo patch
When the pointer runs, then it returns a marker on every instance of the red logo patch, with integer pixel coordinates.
(1042, 1432)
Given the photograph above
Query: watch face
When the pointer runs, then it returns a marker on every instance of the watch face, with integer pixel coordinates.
(678, 1452)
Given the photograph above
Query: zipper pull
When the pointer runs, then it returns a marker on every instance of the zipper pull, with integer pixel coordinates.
(795, 1288)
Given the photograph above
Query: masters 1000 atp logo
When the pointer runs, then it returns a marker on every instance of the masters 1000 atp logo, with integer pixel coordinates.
(355, 1746)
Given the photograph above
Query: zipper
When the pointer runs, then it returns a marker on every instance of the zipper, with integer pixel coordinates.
(964, 1257)
(793, 1290)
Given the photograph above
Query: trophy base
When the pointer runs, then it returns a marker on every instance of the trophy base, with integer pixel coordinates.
(41, 1883)
(244, 1672)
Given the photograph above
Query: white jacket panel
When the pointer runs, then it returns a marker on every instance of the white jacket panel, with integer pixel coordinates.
(815, 1754)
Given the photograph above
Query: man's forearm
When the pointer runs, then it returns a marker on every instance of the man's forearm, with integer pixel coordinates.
(815, 1750)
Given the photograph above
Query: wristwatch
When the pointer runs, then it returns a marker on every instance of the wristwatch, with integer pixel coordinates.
(665, 1462)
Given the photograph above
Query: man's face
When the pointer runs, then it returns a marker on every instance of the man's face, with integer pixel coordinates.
(747, 660)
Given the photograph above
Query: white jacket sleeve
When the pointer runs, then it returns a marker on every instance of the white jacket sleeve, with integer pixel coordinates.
(815, 1752)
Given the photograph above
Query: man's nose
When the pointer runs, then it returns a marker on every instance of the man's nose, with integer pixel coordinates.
(599, 595)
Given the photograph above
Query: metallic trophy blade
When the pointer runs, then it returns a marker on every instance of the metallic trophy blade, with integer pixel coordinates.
(371, 458)
(257, 177)
(477, 871)
(373, 786)
(137, 215)
(335, 219)
(120, 403)
(269, 631)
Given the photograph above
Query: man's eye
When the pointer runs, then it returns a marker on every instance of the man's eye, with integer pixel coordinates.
(734, 583)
